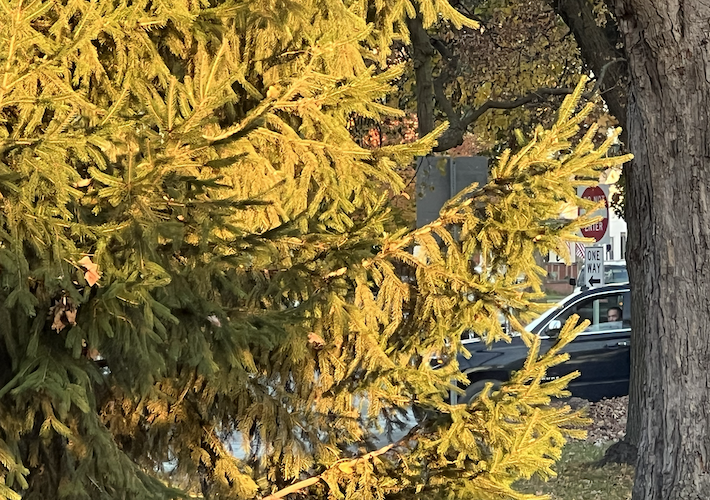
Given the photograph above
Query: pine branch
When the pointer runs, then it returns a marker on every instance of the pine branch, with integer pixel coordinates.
(10, 51)
(349, 464)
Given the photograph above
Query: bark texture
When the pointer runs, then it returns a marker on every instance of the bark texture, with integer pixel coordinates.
(603, 52)
(422, 54)
(669, 224)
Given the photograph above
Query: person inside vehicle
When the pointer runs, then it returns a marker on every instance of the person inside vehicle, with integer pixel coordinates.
(614, 314)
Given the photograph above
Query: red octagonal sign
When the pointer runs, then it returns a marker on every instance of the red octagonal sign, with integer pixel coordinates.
(597, 230)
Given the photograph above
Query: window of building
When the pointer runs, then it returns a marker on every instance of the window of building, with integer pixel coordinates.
(610, 249)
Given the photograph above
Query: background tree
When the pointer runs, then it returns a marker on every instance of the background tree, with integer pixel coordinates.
(508, 72)
(197, 258)
(488, 80)
(601, 43)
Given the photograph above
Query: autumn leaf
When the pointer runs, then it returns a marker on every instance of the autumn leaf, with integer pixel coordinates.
(70, 314)
(58, 324)
(63, 313)
(315, 341)
(92, 274)
(92, 277)
(86, 262)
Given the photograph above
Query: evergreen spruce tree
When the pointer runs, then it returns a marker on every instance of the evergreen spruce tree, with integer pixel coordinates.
(200, 272)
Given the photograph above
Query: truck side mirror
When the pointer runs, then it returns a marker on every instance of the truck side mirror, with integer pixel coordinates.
(573, 281)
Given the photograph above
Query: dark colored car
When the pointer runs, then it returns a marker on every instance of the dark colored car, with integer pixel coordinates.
(600, 353)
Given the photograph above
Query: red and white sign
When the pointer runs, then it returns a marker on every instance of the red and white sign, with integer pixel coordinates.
(599, 230)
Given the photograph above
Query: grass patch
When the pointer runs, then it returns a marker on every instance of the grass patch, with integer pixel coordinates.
(579, 479)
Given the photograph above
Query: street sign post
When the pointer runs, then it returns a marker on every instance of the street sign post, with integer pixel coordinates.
(593, 266)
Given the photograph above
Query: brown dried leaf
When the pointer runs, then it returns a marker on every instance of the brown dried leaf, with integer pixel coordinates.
(92, 274)
(92, 277)
(70, 314)
(63, 313)
(315, 341)
(58, 323)
(86, 261)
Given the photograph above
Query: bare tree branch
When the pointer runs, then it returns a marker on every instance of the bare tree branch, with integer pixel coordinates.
(602, 74)
(454, 135)
(599, 46)
(422, 54)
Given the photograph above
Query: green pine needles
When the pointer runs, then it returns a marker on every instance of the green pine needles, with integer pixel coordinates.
(200, 273)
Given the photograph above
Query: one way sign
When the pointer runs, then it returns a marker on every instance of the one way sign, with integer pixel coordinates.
(593, 266)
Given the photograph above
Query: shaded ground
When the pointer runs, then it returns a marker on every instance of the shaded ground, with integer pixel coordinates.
(579, 477)
(609, 418)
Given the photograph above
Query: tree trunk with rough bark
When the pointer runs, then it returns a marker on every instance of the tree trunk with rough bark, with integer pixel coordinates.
(638, 315)
(602, 46)
(669, 224)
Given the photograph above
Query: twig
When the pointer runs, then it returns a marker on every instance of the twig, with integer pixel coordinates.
(602, 73)
(294, 488)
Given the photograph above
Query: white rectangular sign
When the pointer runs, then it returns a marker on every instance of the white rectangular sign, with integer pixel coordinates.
(593, 266)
